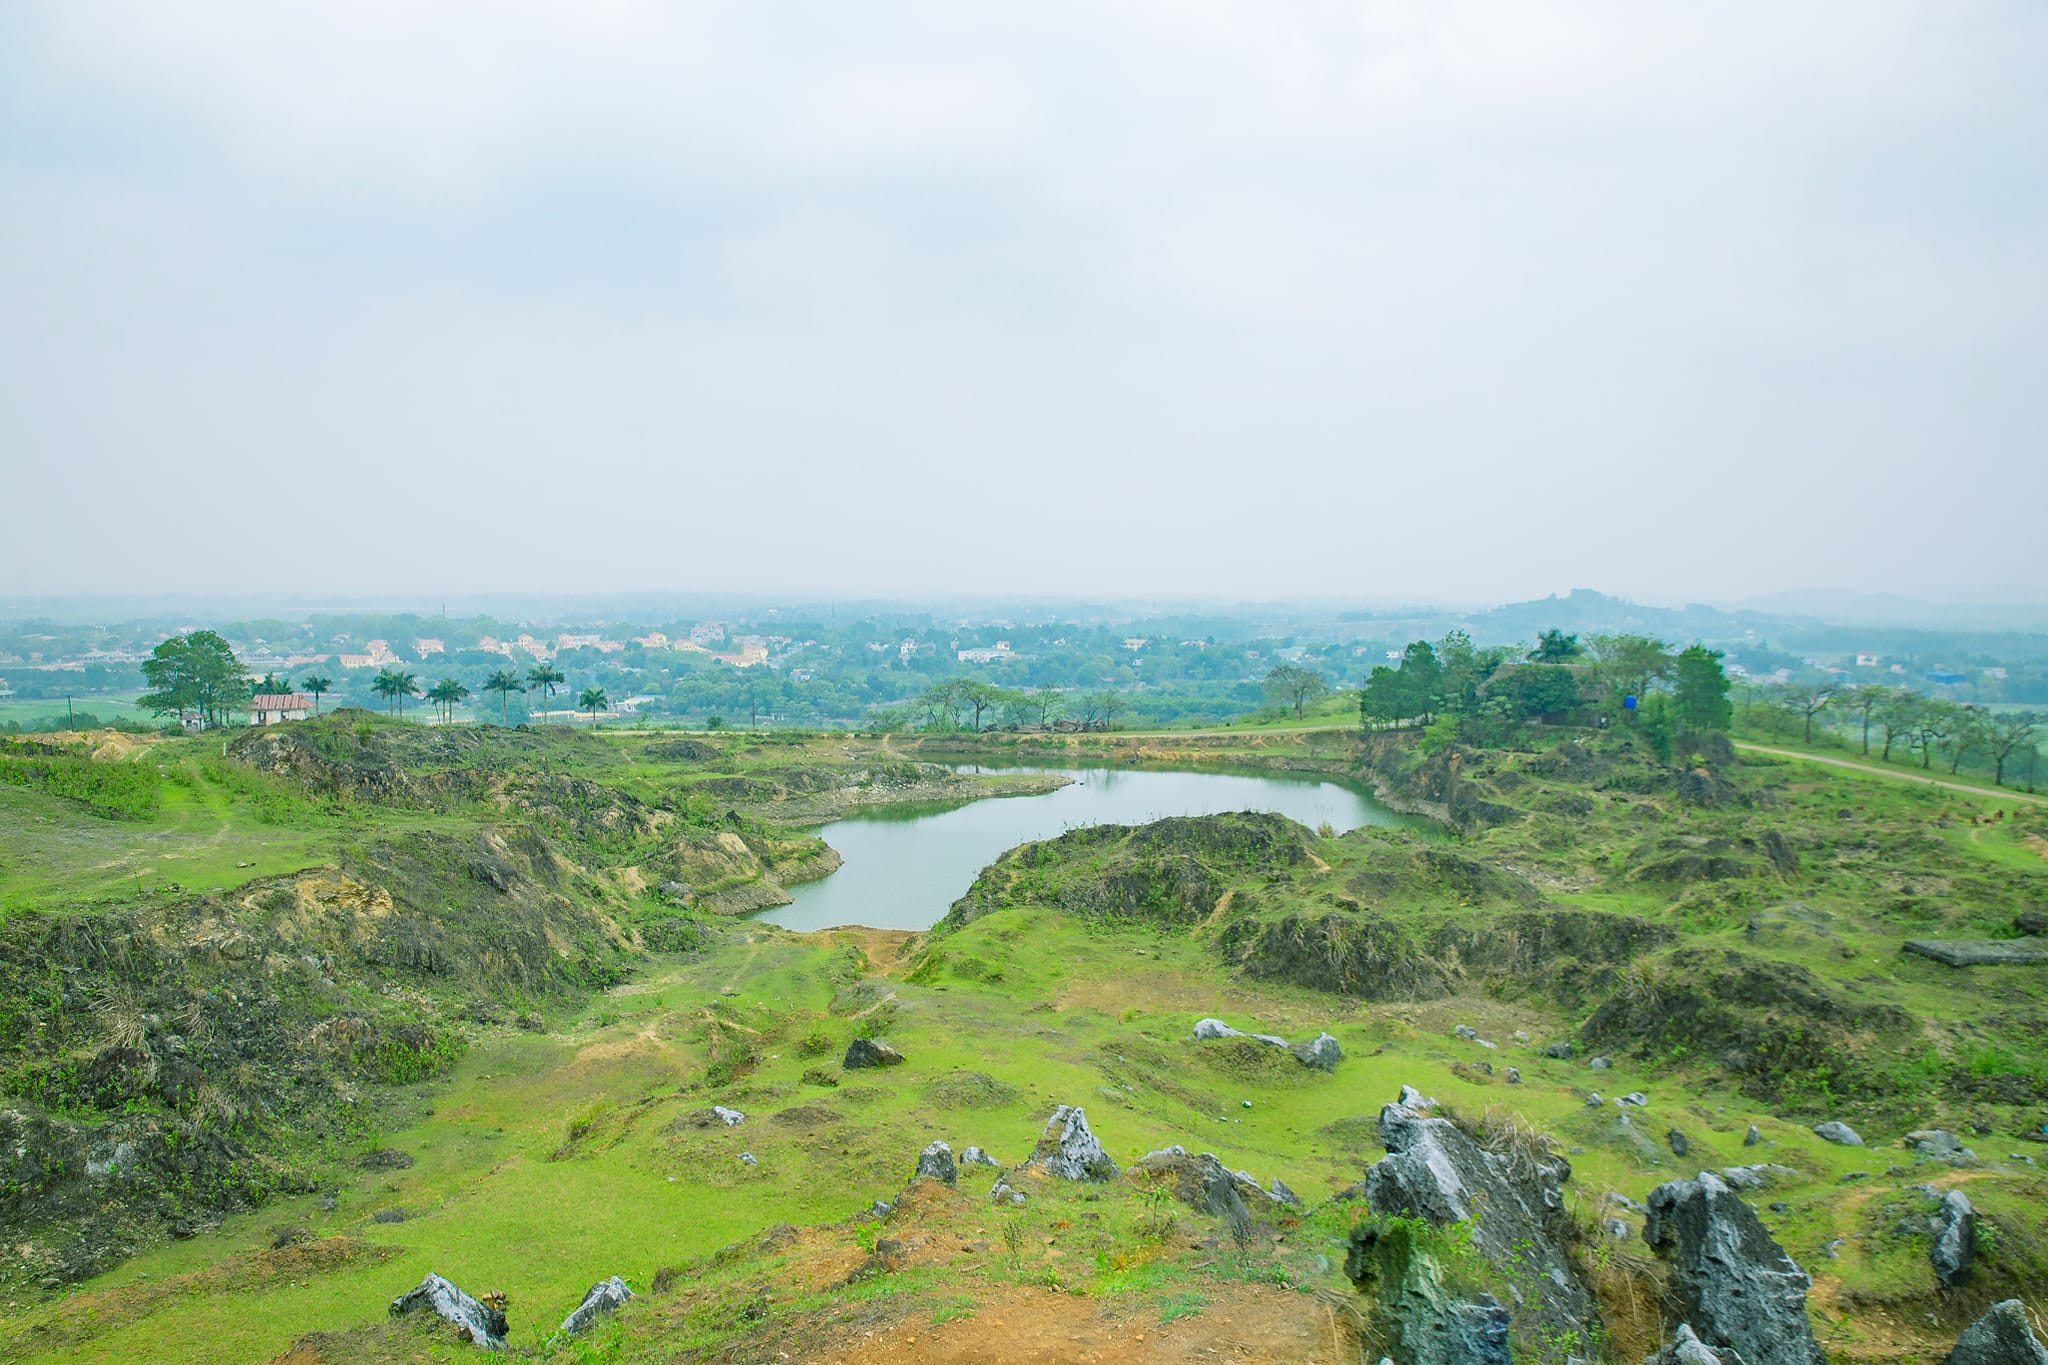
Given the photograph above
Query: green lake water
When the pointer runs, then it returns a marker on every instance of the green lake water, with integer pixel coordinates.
(904, 868)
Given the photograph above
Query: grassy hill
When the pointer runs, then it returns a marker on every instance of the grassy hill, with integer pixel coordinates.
(442, 1015)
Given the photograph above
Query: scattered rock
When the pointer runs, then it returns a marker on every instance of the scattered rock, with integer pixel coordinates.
(1677, 1142)
(1752, 1137)
(731, 1118)
(1634, 1099)
(2033, 923)
(1730, 1280)
(1435, 1171)
(1837, 1132)
(1068, 1151)
(1938, 1144)
(1412, 1099)
(1466, 1031)
(1599, 1064)
(2000, 1337)
(747, 1159)
(870, 1052)
(1201, 1182)
(1685, 1348)
(1514, 1075)
(1561, 1051)
(604, 1297)
(974, 1156)
(283, 1237)
(1321, 1053)
(1001, 1193)
(935, 1162)
(1992, 952)
(1280, 1194)
(1758, 1176)
(1955, 1238)
(385, 1159)
(1593, 1100)
(474, 1321)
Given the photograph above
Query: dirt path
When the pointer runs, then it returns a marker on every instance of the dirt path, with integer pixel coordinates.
(1989, 794)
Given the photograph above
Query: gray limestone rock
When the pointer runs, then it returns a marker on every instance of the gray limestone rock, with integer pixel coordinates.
(1677, 1142)
(870, 1052)
(1685, 1348)
(1752, 1137)
(477, 1323)
(974, 1156)
(2000, 1337)
(1730, 1280)
(731, 1118)
(1837, 1132)
(1757, 1177)
(1435, 1171)
(935, 1162)
(1066, 1149)
(1321, 1053)
(604, 1297)
(1955, 1238)
(1202, 1182)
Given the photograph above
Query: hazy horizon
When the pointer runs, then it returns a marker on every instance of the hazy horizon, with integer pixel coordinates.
(1429, 303)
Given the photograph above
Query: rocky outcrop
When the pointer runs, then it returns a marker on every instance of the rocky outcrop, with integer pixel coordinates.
(1322, 1053)
(1202, 1182)
(1841, 1134)
(1733, 1283)
(1066, 1150)
(1955, 1238)
(475, 1322)
(974, 1156)
(604, 1297)
(863, 1052)
(935, 1162)
(1514, 1203)
(1991, 952)
(1415, 1312)
(2000, 1337)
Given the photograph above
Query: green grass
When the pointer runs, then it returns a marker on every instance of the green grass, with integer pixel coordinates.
(106, 708)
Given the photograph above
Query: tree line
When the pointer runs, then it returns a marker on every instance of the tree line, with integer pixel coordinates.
(1932, 728)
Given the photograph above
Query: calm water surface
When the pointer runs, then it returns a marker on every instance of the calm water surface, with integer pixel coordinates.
(903, 869)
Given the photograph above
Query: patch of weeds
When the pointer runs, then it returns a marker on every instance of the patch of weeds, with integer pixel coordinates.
(959, 1306)
(1183, 1305)
(816, 1043)
(818, 1075)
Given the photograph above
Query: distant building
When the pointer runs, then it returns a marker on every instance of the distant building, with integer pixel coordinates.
(1000, 654)
(1997, 673)
(576, 641)
(274, 708)
(1866, 661)
(1137, 642)
(356, 661)
(653, 639)
(425, 647)
(707, 633)
(6, 692)
(1945, 677)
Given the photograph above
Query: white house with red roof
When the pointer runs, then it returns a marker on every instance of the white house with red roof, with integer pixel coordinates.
(274, 708)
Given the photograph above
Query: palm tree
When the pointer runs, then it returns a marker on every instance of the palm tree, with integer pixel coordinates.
(594, 700)
(504, 682)
(445, 694)
(545, 678)
(315, 684)
(404, 685)
(385, 685)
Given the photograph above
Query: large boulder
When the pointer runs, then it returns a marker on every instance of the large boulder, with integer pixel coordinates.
(935, 1162)
(1837, 1132)
(1204, 1183)
(870, 1052)
(1068, 1151)
(604, 1297)
(1733, 1283)
(1955, 1238)
(1514, 1203)
(1322, 1052)
(1416, 1313)
(475, 1322)
(2000, 1337)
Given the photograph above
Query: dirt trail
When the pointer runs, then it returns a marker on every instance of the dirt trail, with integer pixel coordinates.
(1989, 794)
(1039, 1327)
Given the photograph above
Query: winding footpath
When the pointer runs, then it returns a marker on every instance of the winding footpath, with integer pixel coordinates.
(1988, 793)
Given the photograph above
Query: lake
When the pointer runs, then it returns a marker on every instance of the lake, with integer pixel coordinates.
(905, 868)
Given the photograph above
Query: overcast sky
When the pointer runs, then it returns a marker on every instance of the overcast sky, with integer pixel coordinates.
(1432, 299)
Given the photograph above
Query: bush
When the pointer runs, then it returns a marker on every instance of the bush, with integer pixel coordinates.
(118, 791)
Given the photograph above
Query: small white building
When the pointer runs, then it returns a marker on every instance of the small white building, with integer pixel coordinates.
(274, 708)
(1866, 661)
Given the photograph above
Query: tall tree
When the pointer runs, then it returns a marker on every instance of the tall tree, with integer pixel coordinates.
(197, 672)
(404, 685)
(1866, 701)
(1384, 698)
(1625, 665)
(979, 697)
(1420, 675)
(1932, 721)
(504, 682)
(1295, 686)
(1555, 647)
(445, 694)
(1046, 704)
(318, 685)
(1702, 691)
(385, 685)
(593, 700)
(1970, 731)
(2009, 732)
(1807, 700)
(1896, 716)
(544, 679)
